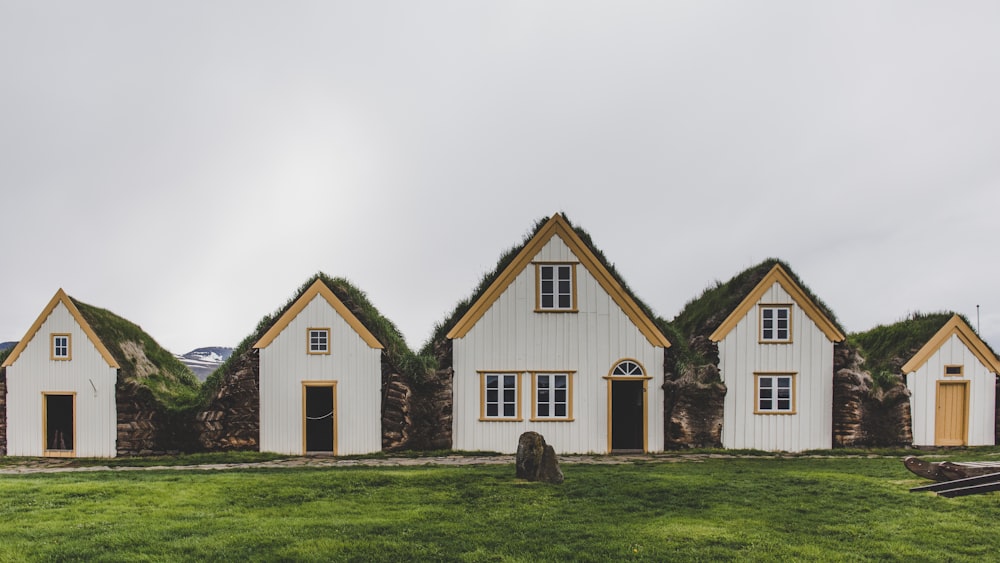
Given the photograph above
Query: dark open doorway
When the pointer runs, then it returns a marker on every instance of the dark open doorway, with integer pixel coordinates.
(59, 423)
(628, 410)
(320, 420)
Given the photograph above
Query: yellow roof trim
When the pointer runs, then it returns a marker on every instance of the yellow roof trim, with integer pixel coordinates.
(559, 226)
(61, 297)
(318, 288)
(780, 276)
(955, 326)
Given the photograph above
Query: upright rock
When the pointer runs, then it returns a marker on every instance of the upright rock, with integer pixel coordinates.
(536, 460)
(694, 408)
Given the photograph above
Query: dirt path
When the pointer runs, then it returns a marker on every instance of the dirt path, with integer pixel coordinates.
(68, 466)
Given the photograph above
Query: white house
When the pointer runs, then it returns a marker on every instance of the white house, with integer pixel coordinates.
(320, 379)
(776, 359)
(556, 345)
(952, 383)
(61, 388)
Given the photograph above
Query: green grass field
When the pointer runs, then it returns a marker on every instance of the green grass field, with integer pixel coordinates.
(722, 509)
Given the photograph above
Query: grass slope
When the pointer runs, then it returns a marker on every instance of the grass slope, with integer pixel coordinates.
(735, 509)
(169, 380)
(887, 347)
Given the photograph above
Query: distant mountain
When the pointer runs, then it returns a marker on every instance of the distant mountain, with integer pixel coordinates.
(5, 345)
(203, 361)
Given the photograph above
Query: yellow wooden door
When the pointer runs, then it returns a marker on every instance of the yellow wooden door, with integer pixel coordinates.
(951, 420)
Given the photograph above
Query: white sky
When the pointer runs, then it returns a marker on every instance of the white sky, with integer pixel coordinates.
(189, 164)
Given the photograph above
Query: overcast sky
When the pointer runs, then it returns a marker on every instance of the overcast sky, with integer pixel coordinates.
(188, 164)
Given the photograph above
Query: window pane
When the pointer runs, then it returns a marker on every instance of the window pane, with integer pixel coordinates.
(560, 381)
(784, 405)
(564, 286)
(766, 393)
(547, 301)
(560, 395)
(784, 382)
(491, 410)
(765, 404)
(508, 409)
(565, 302)
(560, 410)
(492, 395)
(543, 381)
(547, 286)
(543, 409)
(491, 381)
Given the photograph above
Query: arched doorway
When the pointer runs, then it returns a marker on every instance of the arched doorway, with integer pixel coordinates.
(627, 407)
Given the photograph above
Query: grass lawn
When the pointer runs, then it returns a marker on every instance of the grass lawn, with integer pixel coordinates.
(741, 509)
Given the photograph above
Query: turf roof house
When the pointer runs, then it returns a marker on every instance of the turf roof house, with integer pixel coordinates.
(84, 382)
(952, 381)
(775, 356)
(309, 380)
(556, 344)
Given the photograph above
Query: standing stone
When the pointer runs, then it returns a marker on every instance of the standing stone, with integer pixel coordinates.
(536, 461)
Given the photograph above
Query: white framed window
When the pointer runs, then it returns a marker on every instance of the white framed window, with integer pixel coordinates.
(775, 393)
(60, 347)
(556, 287)
(319, 341)
(552, 395)
(775, 323)
(499, 396)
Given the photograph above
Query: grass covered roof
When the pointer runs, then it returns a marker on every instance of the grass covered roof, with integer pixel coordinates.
(702, 315)
(886, 348)
(141, 359)
(441, 329)
(395, 349)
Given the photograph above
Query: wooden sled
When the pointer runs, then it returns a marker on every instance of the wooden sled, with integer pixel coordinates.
(950, 471)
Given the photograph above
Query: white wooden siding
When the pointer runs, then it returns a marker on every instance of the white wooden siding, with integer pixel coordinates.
(809, 356)
(512, 337)
(355, 366)
(982, 393)
(87, 374)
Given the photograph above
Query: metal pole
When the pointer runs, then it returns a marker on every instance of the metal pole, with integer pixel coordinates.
(977, 318)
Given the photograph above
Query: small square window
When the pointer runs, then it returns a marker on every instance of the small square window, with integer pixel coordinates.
(556, 290)
(775, 394)
(60, 347)
(775, 323)
(319, 341)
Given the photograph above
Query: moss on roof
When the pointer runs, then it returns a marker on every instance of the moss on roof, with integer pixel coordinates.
(441, 329)
(395, 349)
(169, 380)
(702, 315)
(886, 348)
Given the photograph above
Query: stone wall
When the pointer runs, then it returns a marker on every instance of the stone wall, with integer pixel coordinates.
(864, 414)
(693, 408)
(145, 427)
(3, 411)
(232, 419)
(417, 416)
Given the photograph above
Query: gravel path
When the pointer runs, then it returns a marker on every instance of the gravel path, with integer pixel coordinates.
(68, 466)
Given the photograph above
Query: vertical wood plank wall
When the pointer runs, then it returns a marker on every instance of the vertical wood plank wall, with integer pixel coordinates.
(355, 366)
(809, 357)
(35, 372)
(982, 394)
(512, 337)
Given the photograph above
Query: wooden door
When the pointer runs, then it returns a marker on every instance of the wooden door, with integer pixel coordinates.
(951, 417)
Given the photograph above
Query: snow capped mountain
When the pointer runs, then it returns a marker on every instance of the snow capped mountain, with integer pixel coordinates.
(203, 361)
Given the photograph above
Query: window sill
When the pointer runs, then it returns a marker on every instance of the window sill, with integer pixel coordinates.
(551, 419)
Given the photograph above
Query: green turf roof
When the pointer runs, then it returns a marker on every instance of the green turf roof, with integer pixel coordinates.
(442, 328)
(169, 380)
(887, 347)
(702, 315)
(395, 349)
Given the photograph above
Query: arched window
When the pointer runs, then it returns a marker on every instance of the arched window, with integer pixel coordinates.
(627, 368)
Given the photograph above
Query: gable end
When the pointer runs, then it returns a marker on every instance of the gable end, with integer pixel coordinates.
(780, 276)
(954, 326)
(558, 226)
